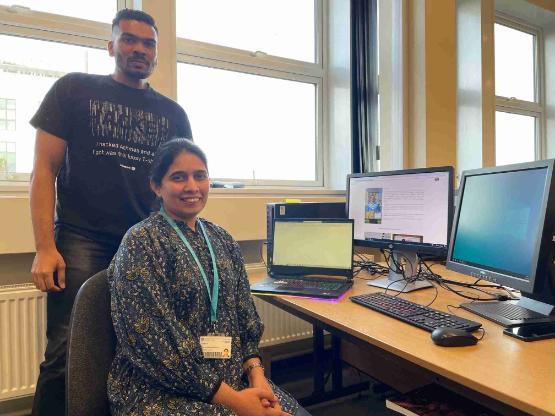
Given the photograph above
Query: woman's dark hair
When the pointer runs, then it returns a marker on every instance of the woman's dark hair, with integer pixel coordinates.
(166, 154)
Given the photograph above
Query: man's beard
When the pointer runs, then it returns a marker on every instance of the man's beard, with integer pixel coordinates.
(139, 74)
(127, 68)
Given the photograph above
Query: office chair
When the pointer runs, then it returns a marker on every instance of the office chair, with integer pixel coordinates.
(90, 349)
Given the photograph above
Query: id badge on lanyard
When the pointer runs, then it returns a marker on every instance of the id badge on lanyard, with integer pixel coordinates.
(214, 346)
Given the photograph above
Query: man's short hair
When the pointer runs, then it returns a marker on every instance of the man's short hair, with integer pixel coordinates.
(130, 14)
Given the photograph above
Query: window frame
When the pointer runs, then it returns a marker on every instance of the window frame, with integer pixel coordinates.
(23, 22)
(27, 23)
(536, 108)
(6, 153)
(4, 114)
(251, 62)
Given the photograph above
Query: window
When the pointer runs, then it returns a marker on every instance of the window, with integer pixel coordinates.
(257, 98)
(7, 114)
(518, 91)
(7, 157)
(253, 124)
(515, 138)
(98, 10)
(282, 28)
(28, 77)
(37, 52)
(261, 98)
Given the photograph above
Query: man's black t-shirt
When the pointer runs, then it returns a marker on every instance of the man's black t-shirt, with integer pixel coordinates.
(112, 132)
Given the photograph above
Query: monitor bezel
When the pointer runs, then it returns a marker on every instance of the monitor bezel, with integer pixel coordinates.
(542, 243)
(404, 245)
(281, 270)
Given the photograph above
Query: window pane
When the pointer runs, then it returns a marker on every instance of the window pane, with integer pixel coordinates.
(277, 27)
(251, 127)
(99, 10)
(11, 162)
(514, 138)
(26, 77)
(514, 63)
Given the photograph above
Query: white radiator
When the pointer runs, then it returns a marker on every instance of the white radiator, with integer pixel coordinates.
(279, 325)
(22, 339)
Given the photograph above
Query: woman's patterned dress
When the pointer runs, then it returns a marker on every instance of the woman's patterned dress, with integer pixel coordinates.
(160, 309)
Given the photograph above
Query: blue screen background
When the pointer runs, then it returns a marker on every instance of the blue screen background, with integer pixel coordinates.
(499, 220)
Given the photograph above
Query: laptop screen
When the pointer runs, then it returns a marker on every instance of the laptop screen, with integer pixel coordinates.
(308, 246)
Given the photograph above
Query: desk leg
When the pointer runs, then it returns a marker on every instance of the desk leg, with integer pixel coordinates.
(317, 359)
(337, 364)
(320, 394)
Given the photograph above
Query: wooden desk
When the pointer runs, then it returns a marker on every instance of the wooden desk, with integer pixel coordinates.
(519, 376)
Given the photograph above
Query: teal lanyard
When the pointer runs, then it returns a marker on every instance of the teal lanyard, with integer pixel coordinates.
(215, 286)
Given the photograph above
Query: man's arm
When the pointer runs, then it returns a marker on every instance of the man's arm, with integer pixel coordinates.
(49, 155)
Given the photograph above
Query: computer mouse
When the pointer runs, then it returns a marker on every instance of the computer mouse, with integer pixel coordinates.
(453, 337)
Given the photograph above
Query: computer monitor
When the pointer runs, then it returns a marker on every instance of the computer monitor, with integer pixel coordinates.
(406, 211)
(503, 232)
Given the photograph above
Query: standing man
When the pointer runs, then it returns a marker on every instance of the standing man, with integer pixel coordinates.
(96, 136)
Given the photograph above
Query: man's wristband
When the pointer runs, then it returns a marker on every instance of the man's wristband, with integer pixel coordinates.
(252, 366)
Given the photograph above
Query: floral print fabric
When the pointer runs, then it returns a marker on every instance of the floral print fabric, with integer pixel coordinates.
(160, 309)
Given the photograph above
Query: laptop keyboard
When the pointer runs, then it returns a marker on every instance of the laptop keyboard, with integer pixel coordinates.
(309, 284)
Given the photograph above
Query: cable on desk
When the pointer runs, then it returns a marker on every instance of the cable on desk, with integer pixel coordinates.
(483, 333)
(424, 272)
(448, 284)
(376, 270)
(416, 275)
(452, 306)
(363, 262)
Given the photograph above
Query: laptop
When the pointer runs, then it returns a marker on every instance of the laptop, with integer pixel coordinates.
(310, 257)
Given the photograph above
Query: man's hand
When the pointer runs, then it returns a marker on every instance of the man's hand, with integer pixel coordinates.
(45, 264)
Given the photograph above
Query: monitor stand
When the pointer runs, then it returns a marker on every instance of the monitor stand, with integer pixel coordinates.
(395, 281)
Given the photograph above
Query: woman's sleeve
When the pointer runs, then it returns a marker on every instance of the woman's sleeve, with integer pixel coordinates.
(250, 324)
(148, 332)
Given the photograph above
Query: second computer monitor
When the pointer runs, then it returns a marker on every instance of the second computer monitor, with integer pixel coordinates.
(503, 232)
(406, 211)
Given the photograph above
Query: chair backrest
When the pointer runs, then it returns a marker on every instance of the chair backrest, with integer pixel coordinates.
(90, 349)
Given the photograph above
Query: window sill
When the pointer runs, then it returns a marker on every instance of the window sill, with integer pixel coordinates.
(274, 191)
(15, 189)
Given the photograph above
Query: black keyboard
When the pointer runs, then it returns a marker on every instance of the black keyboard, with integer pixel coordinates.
(413, 313)
(293, 284)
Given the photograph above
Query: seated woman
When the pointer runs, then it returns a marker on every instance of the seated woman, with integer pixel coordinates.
(186, 324)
